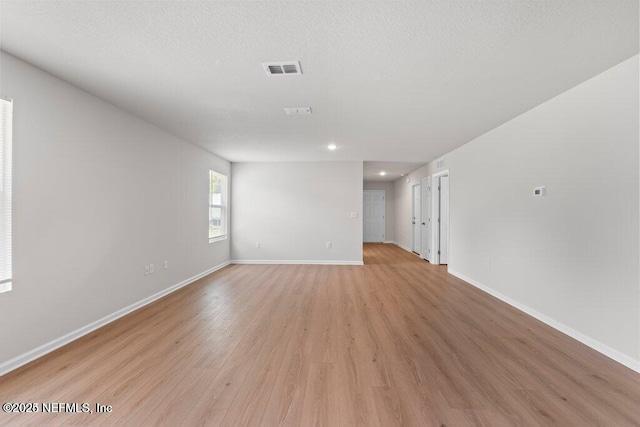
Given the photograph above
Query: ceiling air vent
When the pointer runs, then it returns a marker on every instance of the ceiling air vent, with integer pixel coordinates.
(297, 111)
(287, 68)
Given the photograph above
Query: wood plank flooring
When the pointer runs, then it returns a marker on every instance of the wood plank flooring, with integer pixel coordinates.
(395, 342)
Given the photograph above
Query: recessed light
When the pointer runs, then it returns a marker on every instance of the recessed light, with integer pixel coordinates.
(383, 173)
(332, 147)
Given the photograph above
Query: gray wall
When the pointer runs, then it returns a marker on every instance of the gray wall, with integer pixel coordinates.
(98, 194)
(573, 255)
(294, 208)
(389, 209)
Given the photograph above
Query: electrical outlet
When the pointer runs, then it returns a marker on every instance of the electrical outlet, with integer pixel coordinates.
(146, 270)
(166, 265)
(328, 245)
(257, 245)
(152, 268)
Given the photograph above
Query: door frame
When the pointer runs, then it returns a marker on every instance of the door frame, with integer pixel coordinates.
(413, 210)
(384, 215)
(425, 183)
(435, 213)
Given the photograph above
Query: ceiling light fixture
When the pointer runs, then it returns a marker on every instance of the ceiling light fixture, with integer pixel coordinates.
(332, 147)
(383, 173)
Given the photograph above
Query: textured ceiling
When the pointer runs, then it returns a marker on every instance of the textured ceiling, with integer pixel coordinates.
(387, 81)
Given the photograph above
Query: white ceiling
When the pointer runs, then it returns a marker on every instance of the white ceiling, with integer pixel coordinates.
(397, 81)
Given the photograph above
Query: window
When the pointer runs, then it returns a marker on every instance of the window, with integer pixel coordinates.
(217, 206)
(6, 121)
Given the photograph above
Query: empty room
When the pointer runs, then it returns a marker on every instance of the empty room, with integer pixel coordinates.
(320, 213)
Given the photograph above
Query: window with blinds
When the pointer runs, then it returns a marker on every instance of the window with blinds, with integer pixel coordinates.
(6, 121)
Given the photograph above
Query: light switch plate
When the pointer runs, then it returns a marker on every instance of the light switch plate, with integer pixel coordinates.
(354, 215)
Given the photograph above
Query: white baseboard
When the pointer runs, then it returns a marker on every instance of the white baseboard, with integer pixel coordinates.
(294, 261)
(38, 352)
(389, 242)
(405, 248)
(590, 342)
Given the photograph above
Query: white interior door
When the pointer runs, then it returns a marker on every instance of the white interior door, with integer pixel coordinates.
(415, 222)
(425, 223)
(444, 219)
(373, 215)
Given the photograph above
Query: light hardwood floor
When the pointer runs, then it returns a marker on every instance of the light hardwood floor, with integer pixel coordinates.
(395, 342)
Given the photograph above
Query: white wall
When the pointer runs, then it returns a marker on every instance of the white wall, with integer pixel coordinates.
(571, 256)
(389, 209)
(98, 194)
(293, 209)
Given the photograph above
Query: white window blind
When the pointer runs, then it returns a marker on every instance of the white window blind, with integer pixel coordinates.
(6, 124)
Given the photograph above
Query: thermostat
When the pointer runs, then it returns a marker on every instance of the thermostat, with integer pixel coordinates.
(539, 192)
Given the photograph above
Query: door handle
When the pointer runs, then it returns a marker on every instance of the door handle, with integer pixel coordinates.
(424, 223)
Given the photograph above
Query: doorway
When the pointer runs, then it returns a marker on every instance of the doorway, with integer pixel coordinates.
(416, 218)
(440, 214)
(425, 223)
(373, 215)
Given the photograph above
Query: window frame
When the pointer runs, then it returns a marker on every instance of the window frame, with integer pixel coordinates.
(6, 160)
(223, 206)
